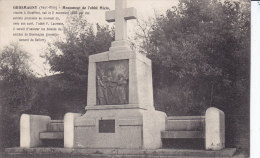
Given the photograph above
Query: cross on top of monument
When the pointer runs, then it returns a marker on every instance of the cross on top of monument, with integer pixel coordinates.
(120, 15)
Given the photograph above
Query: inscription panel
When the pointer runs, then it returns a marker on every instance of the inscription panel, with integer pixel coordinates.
(106, 126)
(112, 82)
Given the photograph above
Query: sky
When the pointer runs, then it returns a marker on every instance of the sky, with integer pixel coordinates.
(145, 8)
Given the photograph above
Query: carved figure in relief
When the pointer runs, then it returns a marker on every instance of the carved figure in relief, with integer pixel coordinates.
(122, 89)
(101, 92)
(111, 87)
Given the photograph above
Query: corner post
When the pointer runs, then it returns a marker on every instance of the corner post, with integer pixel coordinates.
(30, 128)
(215, 129)
(69, 126)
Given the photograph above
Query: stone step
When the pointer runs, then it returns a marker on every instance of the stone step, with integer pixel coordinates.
(55, 127)
(185, 123)
(182, 134)
(57, 121)
(185, 117)
(51, 135)
(115, 152)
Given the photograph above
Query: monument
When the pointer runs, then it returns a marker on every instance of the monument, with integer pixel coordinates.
(120, 109)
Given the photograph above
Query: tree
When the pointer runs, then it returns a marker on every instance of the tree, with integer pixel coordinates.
(14, 60)
(16, 75)
(17, 90)
(202, 45)
(200, 51)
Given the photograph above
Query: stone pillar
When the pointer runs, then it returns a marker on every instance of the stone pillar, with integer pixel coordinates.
(69, 123)
(215, 129)
(30, 128)
(153, 125)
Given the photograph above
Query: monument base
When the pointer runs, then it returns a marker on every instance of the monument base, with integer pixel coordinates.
(119, 153)
(114, 126)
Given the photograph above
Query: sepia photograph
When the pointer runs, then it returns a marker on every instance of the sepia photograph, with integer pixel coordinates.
(129, 78)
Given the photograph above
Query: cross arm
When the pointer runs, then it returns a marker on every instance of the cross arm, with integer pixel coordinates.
(130, 13)
(110, 16)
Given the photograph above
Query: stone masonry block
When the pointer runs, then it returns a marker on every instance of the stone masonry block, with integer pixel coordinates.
(215, 129)
(153, 125)
(30, 128)
(69, 126)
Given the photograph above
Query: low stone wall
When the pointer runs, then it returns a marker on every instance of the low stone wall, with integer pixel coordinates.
(30, 128)
(211, 127)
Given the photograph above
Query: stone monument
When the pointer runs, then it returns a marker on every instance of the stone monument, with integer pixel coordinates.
(120, 109)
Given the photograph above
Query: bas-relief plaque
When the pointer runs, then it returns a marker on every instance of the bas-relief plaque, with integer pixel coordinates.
(112, 82)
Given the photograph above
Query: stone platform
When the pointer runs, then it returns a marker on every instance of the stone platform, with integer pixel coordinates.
(118, 153)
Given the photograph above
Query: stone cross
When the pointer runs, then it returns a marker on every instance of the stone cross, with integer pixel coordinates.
(120, 15)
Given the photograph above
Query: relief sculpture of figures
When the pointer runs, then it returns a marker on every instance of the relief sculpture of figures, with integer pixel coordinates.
(112, 82)
(121, 89)
(101, 91)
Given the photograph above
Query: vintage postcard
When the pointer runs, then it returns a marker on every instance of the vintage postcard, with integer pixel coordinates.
(136, 78)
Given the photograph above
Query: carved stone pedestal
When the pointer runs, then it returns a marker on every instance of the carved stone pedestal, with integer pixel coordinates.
(120, 111)
(113, 127)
